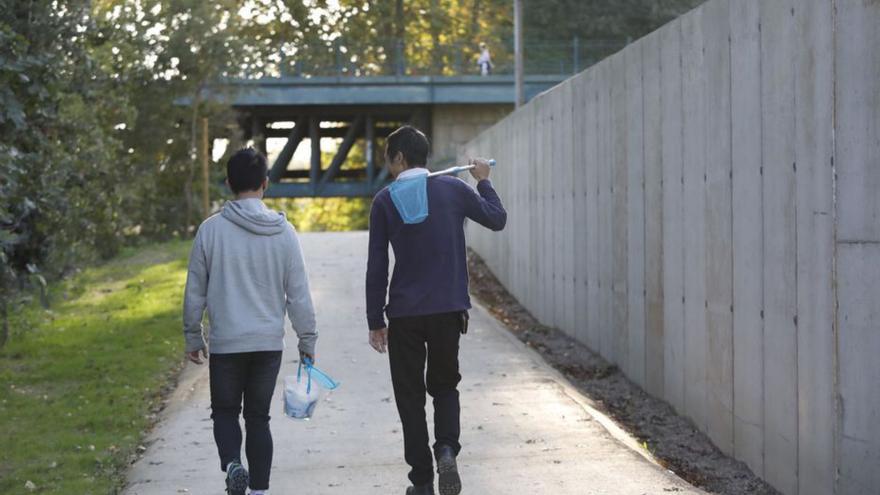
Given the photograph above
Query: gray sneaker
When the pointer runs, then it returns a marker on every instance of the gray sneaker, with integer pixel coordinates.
(236, 479)
(450, 481)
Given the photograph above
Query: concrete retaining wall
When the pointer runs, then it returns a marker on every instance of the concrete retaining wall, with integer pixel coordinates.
(453, 125)
(703, 209)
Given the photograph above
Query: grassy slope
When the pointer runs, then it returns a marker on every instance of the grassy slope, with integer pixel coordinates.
(79, 383)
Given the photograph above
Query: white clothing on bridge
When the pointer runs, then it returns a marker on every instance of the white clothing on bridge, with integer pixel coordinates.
(485, 62)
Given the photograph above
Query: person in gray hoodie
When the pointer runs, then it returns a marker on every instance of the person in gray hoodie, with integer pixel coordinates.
(247, 269)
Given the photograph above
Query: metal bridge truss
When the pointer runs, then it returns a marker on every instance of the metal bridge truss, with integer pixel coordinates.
(368, 123)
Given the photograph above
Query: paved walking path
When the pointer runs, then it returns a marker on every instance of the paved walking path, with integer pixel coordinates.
(525, 431)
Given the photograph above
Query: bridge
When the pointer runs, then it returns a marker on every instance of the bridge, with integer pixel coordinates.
(359, 106)
(450, 109)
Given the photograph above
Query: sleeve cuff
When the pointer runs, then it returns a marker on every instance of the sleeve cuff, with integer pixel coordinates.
(377, 324)
(306, 347)
(195, 343)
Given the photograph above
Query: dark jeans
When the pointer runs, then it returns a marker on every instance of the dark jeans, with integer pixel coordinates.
(252, 376)
(412, 341)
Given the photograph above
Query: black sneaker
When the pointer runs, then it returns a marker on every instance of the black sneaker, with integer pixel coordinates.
(450, 481)
(426, 489)
(236, 479)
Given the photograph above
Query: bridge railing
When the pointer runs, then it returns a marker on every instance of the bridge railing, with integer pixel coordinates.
(394, 57)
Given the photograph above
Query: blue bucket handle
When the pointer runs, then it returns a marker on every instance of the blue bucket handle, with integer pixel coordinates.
(308, 373)
(323, 378)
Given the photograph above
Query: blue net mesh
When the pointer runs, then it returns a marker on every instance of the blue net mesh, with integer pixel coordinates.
(410, 197)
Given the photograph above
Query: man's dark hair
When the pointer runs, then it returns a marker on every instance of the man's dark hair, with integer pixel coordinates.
(246, 170)
(411, 142)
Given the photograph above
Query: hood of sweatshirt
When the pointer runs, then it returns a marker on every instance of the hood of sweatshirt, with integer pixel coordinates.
(252, 215)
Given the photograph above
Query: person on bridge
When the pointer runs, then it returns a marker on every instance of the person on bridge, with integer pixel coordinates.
(247, 268)
(427, 302)
(485, 60)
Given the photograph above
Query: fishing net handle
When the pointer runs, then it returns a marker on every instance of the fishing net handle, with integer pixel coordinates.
(457, 169)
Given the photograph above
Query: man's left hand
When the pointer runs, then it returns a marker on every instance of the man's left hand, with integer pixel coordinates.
(481, 168)
(194, 355)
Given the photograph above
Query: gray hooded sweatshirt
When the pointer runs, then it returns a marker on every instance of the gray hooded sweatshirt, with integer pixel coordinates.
(246, 267)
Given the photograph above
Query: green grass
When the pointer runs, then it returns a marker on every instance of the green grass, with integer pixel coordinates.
(81, 382)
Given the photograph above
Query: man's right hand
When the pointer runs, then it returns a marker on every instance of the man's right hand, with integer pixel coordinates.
(379, 340)
(481, 168)
(303, 356)
(194, 355)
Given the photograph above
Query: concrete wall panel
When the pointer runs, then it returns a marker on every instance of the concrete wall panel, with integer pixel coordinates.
(635, 219)
(859, 313)
(569, 275)
(718, 222)
(557, 226)
(857, 161)
(780, 244)
(653, 160)
(748, 265)
(589, 138)
(533, 127)
(591, 190)
(619, 214)
(672, 134)
(604, 195)
(858, 105)
(815, 247)
(694, 157)
(579, 225)
(545, 158)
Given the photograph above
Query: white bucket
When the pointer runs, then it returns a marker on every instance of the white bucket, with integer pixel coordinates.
(303, 391)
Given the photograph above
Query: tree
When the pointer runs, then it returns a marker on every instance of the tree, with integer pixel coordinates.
(599, 19)
(94, 149)
(59, 160)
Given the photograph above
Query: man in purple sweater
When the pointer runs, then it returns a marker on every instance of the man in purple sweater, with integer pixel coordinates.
(427, 302)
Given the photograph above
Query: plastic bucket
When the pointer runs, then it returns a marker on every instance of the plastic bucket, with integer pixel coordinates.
(303, 391)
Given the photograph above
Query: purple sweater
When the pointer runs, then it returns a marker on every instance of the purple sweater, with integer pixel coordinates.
(430, 270)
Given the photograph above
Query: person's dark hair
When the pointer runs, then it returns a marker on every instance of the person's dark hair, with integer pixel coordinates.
(246, 170)
(411, 142)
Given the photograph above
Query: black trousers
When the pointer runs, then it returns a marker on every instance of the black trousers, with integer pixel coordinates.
(250, 376)
(413, 341)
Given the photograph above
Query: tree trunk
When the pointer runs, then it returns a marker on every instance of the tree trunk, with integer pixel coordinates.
(193, 155)
(397, 45)
(4, 324)
(475, 21)
(44, 296)
(436, 26)
(399, 26)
